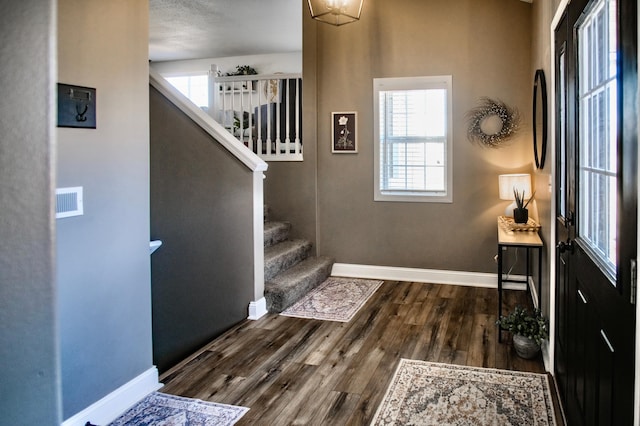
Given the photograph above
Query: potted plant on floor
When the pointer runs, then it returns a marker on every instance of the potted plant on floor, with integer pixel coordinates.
(528, 330)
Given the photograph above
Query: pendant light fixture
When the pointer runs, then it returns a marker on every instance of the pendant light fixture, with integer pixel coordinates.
(336, 12)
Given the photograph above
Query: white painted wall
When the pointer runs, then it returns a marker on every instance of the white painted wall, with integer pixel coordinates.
(264, 64)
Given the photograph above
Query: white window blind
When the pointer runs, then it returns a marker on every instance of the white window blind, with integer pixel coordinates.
(412, 139)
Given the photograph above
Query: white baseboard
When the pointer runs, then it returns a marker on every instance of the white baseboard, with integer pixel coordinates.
(117, 402)
(534, 293)
(546, 359)
(436, 276)
(257, 309)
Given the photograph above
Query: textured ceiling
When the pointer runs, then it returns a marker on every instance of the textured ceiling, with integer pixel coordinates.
(195, 29)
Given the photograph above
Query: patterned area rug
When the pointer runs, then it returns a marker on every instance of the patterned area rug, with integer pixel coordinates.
(336, 299)
(426, 393)
(170, 410)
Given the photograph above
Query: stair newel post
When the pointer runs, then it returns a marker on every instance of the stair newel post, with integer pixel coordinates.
(258, 307)
(214, 102)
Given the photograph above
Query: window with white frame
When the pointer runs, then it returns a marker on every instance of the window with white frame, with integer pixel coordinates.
(412, 138)
(194, 87)
(598, 141)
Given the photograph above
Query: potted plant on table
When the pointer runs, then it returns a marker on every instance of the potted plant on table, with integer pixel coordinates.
(520, 213)
(528, 330)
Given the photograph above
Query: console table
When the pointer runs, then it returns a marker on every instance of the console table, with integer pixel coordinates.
(525, 239)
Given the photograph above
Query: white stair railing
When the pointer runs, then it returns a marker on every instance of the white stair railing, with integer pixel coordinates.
(262, 111)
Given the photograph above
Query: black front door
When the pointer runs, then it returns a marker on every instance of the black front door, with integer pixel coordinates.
(596, 140)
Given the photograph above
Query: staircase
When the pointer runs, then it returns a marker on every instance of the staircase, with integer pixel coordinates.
(289, 271)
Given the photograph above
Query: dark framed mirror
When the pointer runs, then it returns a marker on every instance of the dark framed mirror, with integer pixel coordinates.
(539, 118)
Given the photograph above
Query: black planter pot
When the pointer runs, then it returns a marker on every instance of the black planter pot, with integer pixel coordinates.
(520, 215)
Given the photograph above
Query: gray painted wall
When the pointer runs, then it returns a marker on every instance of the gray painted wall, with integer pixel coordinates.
(30, 384)
(202, 210)
(290, 189)
(104, 295)
(486, 47)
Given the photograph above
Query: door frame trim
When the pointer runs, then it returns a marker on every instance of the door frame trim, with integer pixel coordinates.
(553, 211)
(636, 414)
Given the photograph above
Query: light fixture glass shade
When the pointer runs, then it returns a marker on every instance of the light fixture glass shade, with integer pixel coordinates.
(520, 182)
(336, 12)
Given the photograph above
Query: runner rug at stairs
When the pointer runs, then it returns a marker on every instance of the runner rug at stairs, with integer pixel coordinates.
(336, 299)
(426, 393)
(170, 410)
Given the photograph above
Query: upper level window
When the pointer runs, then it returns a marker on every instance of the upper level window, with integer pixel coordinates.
(194, 87)
(412, 137)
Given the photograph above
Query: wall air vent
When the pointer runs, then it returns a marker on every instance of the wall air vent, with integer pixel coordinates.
(69, 202)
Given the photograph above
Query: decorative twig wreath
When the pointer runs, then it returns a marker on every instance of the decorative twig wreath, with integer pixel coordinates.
(492, 122)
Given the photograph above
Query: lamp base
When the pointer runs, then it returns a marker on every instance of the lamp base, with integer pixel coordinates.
(508, 212)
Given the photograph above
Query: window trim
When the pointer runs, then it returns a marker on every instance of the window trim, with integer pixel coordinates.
(408, 83)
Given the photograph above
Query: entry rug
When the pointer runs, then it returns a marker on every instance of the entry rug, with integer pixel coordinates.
(336, 299)
(170, 410)
(426, 393)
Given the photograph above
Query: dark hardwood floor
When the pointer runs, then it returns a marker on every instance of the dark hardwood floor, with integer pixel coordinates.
(292, 371)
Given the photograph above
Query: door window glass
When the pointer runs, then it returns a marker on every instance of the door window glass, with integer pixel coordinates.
(597, 64)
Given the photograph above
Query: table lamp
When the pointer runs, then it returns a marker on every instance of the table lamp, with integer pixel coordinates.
(509, 184)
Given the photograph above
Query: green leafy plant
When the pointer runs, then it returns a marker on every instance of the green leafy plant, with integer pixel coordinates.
(243, 70)
(532, 325)
(520, 199)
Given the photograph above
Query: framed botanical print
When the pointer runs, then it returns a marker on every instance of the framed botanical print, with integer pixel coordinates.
(344, 127)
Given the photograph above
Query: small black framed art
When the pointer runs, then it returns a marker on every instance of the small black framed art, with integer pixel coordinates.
(344, 129)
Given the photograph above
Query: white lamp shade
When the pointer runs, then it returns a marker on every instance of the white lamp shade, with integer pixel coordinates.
(519, 182)
(336, 12)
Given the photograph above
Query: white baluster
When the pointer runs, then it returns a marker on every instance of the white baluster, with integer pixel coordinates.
(287, 136)
(265, 107)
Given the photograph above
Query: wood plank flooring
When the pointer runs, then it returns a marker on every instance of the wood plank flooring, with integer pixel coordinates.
(292, 371)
